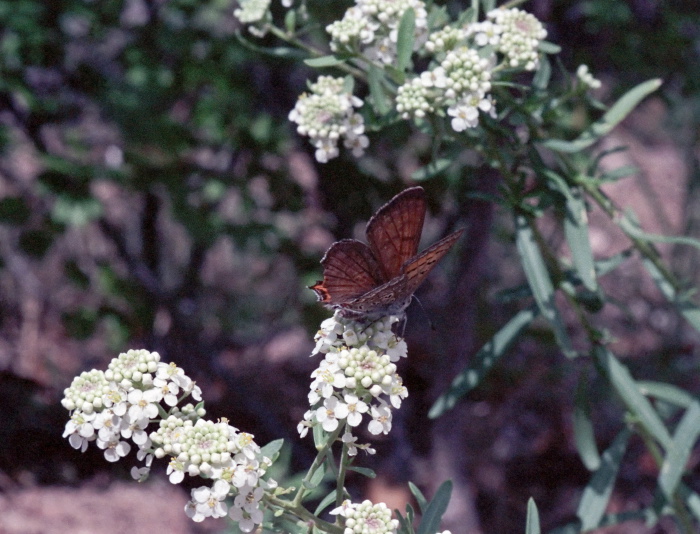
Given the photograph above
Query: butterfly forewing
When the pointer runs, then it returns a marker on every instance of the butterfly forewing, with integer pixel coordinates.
(349, 270)
(417, 269)
(394, 231)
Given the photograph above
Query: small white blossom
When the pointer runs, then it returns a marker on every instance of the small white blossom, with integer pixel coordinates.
(381, 420)
(330, 412)
(520, 35)
(586, 78)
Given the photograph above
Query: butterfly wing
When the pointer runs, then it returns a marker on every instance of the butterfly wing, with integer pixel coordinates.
(389, 298)
(394, 231)
(349, 270)
(417, 269)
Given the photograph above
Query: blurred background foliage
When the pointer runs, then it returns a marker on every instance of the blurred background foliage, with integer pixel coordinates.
(153, 194)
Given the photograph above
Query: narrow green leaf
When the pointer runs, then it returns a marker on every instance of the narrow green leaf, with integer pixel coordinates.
(366, 471)
(548, 48)
(576, 232)
(688, 309)
(326, 502)
(316, 478)
(405, 39)
(434, 168)
(629, 391)
(376, 91)
(630, 226)
(666, 392)
(483, 361)
(584, 435)
(432, 515)
(532, 523)
(606, 265)
(540, 283)
(676, 459)
(619, 173)
(290, 20)
(543, 74)
(420, 498)
(324, 61)
(595, 497)
(612, 118)
(280, 52)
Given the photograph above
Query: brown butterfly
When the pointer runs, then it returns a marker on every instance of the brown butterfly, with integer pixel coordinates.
(380, 279)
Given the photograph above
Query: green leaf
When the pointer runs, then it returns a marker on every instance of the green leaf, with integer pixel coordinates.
(13, 210)
(630, 227)
(366, 471)
(666, 392)
(543, 74)
(324, 61)
(540, 283)
(576, 230)
(432, 515)
(483, 361)
(584, 435)
(290, 20)
(629, 391)
(316, 478)
(612, 118)
(432, 169)
(420, 498)
(374, 78)
(532, 523)
(272, 449)
(405, 39)
(326, 502)
(677, 455)
(595, 497)
(688, 309)
(548, 48)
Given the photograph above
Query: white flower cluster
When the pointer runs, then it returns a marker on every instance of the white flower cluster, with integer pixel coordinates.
(251, 11)
(515, 33)
(586, 77)
(461, 83)
(220, 452)
(466, 61)
(371, 28)
(118, 404)
(326, 115)
(115, 407)
(356, 377)
(367, 517)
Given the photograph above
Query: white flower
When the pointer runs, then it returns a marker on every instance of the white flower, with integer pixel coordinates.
(208, 502)
(251, 11)
(350, 440)
(246, 508)
(381, 420)
(114, 448)
(586, 78)
(140, 473)
(356, 408)
(80, 430)
(330, 412)
(143, 403)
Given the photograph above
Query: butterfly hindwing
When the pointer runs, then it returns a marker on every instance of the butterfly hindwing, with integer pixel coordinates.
(394, 231)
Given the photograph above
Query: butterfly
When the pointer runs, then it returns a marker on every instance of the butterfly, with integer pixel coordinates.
(368, 282)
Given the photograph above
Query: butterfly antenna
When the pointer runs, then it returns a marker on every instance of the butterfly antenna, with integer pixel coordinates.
(430, 323)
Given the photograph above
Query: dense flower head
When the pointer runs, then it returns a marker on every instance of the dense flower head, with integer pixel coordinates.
(326, 115)
(366, 518)
(251, 11)
(114, 409)
(466, 62)
(371, 28)
(460, 83)
(356, 378)
(518, 36)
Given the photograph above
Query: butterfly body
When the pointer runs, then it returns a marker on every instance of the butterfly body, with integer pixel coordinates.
(369, 281)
